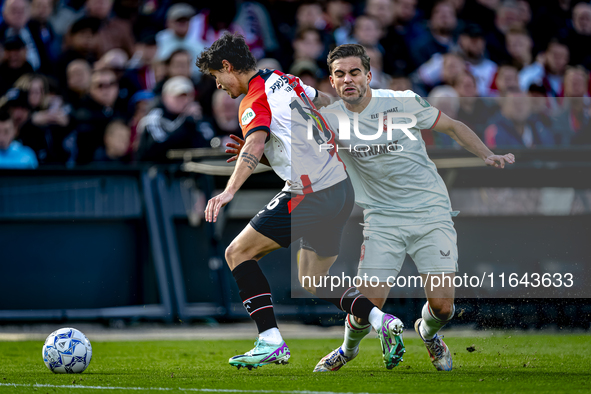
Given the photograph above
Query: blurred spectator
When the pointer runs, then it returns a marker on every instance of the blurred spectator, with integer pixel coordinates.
(379, 79)
(453, 66)
(367, 32)
(507, 78)
(479, 12)
(448, 48)
(441, 69)
(397, 58)
(116, 61)
(171, 125)
(141, 73)
(524, 13)
(16, 102)
(579, 35)
(307, 45)
(471, 47)
(548, 70)
(224, 114)
(94, 113)
(404, 21)
(177, 65)
(215, 19)
(114, 32)
(78, 75)
(576, 82)
(16, 15)
(549, 20)
(12, 153)
(79, 43)
(43, 32)
(140, 104)
(338, 15)
(445, 99)
(539, 105)
(48, 125)
(382, 10)
(439, 37)
(519, 47)
(116, 143)
(36, 86)
(65, 13)
(175, 36)
(515, 126)
(400, 83)
(507, 17)
(271, 64)
(473, 111)
(256, 25)
(572, 125)
(14, 63)
(309, 15)
(465, 85)
(307, 71)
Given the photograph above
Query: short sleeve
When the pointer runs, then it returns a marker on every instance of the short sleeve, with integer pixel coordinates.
(310, 91)
(427, 115)
(255, 115)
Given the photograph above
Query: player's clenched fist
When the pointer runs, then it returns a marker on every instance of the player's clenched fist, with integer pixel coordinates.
(500, 160)
(215, 204)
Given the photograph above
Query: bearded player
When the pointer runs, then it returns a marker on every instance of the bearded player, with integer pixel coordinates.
(406, 204)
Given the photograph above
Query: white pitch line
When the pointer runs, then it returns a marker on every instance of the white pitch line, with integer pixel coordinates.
(77, 386)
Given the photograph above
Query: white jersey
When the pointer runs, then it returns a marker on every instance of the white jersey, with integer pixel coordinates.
(280, 105)
(395, 181)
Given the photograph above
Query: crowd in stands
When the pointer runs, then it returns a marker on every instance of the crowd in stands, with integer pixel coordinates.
(84, 81)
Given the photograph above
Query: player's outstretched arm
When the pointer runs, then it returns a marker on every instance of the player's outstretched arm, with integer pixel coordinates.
(235, 149)
(470, 141)
(249, 159)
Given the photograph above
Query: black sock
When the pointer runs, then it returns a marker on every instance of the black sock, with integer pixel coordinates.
(256, 294)
(347, 299)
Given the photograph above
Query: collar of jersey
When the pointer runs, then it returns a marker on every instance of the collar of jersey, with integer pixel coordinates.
(254, 76)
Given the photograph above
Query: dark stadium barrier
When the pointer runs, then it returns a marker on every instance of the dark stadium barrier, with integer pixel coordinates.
(80, 245)
(195, 261)
(129, 243)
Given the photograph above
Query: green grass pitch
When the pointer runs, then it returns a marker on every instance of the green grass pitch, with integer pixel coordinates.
(500, 363)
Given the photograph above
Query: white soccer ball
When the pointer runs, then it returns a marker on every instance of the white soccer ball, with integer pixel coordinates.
(67, 350)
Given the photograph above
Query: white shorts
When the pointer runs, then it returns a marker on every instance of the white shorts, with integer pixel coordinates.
(432, 247)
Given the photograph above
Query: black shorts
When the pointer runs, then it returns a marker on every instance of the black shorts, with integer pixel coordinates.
(318, 218)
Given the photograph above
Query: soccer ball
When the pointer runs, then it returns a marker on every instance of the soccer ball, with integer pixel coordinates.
(67, 350)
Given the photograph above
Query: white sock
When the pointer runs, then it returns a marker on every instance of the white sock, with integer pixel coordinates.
(432, 324)
(375, 318)
(354, 333)
(272, 336)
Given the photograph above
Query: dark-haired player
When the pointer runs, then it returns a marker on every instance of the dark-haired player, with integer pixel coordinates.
(314, 204)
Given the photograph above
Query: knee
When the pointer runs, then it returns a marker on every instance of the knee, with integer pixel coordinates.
(443, 309)
(232, 255)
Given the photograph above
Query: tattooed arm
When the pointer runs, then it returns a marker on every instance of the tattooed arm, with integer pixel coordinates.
(250, 155)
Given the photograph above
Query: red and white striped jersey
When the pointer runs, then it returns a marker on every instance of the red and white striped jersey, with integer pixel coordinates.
(280, 105)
